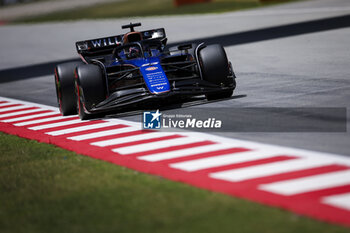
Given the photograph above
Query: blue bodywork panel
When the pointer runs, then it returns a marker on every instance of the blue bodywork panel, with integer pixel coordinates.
(152, 72)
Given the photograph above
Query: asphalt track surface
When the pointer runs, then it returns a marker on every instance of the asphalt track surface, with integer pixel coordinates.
(293, 55)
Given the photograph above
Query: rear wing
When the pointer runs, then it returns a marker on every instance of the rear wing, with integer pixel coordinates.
(105, 45)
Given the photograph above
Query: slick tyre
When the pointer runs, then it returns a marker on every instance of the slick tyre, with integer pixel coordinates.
(90, 89)
(65, 85)
(215, 69)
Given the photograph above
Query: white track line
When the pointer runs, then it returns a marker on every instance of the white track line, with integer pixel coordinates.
(222, 160)
(80, 128)
(133, 138)
(44, 120)
(13, 108)
(269, 169)
(308, 184)
(53, 125)
(30, 117)
(185, 152)
(20, 113)
(156, 145)
(104, 133)
(339, 200)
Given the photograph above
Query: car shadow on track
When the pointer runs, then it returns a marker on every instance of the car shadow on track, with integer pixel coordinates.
(172, 105)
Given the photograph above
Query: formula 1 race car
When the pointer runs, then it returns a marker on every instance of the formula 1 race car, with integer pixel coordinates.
(137, 67)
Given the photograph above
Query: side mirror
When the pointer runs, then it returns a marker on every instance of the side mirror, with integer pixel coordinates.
(185, 47)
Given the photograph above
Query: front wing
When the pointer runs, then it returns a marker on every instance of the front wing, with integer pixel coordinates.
(119, 100)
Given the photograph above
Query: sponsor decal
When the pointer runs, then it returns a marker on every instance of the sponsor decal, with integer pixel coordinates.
(155, 78)
(151, 68)
(159, 85)
(105, 42)
(149, 64)
(157, 34)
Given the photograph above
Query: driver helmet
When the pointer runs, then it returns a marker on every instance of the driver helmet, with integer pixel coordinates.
(132, 37)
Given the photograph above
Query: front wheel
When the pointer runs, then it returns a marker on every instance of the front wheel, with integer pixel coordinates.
(215, 69)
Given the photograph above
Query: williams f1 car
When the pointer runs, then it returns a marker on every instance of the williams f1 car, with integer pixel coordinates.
(133, 68)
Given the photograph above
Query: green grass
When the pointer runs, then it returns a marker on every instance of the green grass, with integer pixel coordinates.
(47, 189)
(133, 8)
(18, 3)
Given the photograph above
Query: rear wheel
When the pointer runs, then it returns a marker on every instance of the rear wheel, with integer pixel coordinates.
(215, 69)
(90, 89)
(64, 82)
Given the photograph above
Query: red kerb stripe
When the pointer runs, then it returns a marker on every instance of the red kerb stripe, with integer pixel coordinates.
(121, 135)
(23, 115)
(12, 105)
(246, 164)
(117, 126)
(83, 123)
(204, 155)
(172, 148)
(145, 141)
(51, 122)
(17, 110)
(35, 118)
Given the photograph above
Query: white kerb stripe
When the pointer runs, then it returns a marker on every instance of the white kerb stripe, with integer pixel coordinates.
(44, 120)
(222, 160)
(80, 128)
(30, 116)
(116, 141)
(156, 145)
(308, 184)
(13, 108)
(20, 112)
(53, 125)
(5, 104)
(340, 200)
(103, 133)
(185, 152)
(269, 169)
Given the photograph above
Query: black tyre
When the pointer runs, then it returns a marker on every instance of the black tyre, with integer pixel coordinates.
(215, 69)
(90, 89)
(65, 89)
